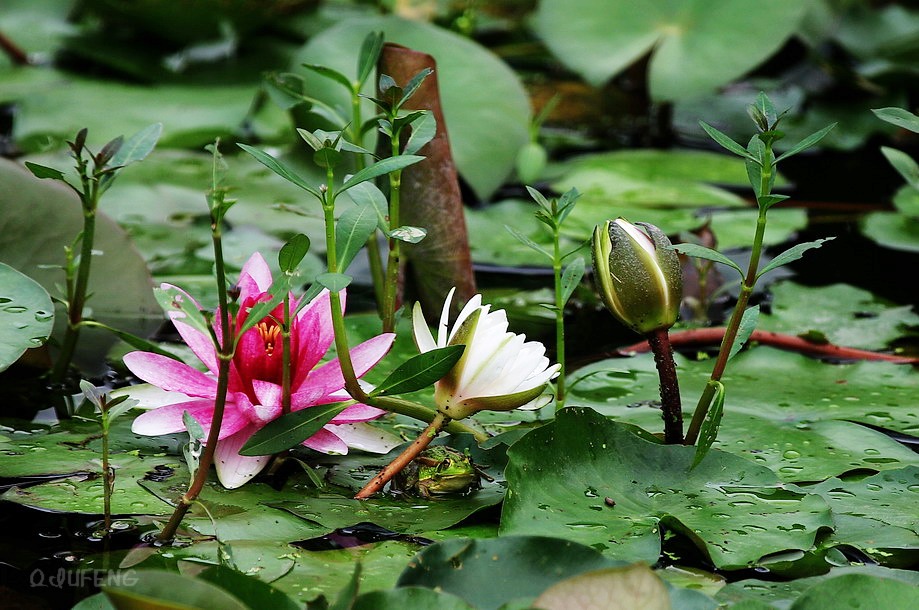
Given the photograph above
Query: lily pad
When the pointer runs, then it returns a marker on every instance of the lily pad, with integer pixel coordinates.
(416, 598)
(782, 594)
(514, 566)
(875, 393)
(485, 106)
(26, 315)
(850, 591)
(876, 514)
(892, 230)
(733, 509)
(843, 314)
(735, 228)
(695, 46)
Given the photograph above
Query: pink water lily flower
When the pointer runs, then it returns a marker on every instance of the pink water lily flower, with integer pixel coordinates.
(254, 395)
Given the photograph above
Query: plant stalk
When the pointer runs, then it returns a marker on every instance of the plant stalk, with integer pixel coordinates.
(659, 340)
(376, 484)
(560, 390)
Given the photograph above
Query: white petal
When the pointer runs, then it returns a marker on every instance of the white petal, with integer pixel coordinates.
(444, 320)
(366, 437)
(233, 469)
(423, 337)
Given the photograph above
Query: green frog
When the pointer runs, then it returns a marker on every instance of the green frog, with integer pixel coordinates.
(438, 471)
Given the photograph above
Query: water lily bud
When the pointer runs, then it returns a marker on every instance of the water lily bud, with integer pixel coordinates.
(637, 274)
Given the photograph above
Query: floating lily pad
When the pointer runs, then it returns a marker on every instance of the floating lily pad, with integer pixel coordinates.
(484, 103)
(782, 594)
(733, 509)
(843, 314)
(876, 514)
(694, 45)
(892, 230)
(735, 228)
(26, 315)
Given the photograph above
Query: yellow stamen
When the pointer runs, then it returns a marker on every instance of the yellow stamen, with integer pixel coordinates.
(269, 332)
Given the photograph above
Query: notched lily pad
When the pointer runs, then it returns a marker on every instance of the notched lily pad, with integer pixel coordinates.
(26, 315)
(733, 509)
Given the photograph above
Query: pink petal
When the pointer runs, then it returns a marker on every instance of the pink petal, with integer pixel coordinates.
(312, 333)
(233, 469)
(363, 357)
(357, 413)
(306, 397)
(168, 419)
(170, 375)
(254, 278)
(199, 342)
(325, 441)
(268, 394)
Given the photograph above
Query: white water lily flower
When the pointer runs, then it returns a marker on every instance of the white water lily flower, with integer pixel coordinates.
(498, 371)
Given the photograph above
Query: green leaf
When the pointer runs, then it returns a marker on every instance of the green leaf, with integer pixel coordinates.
(292, 252)
(263, 308)
(702, 252)
(594, 458)
(899, 117)
(806, 142)
(747, 325)
(851, 591)
(792, 254)
(770, 200)
(528, 242)
(514, 566)
(369, 54)
(694, 47)
(249, 589)
(420, 371)
(352, 231)
(331, 74)
(708, 433)
(291, 429)
(26, 315)
(138, 146)
(905, 165)
(380, 168)
(42, 171)
(131, 339)
(571, 277)
(346, 597)
(280, 168)
(173, 299)
(412, 86)
(423, 131)
(726, 142)
(367, 194)
(168, 590)
(335, 282)
(416, 598)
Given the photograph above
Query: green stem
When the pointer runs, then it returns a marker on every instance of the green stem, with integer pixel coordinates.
(77, 297)
(108, 475)
(559, 323)
(730, 333)
(395, 249)
(285, 357)
(225, 352)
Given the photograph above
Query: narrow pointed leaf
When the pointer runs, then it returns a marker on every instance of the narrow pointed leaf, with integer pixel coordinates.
(899, 117)
(331, 74)
(706, 253)
(117, 410)
(747, 326)
(258, 312)
(725, 141)
(132, 339)
(380, 168)
(770, 200)
(290, 430)
(43, 171)
(904, 164)
(792, 254)
(709, 431)
(539, 198)
(370, 53)
(413, 84)
(138, 146)
(423, 130)
(527, 241)
(171, 300)
(352, 231)
(571, 277)
(420, 371)
(806, 142)
(280, 168)
(367, 194)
